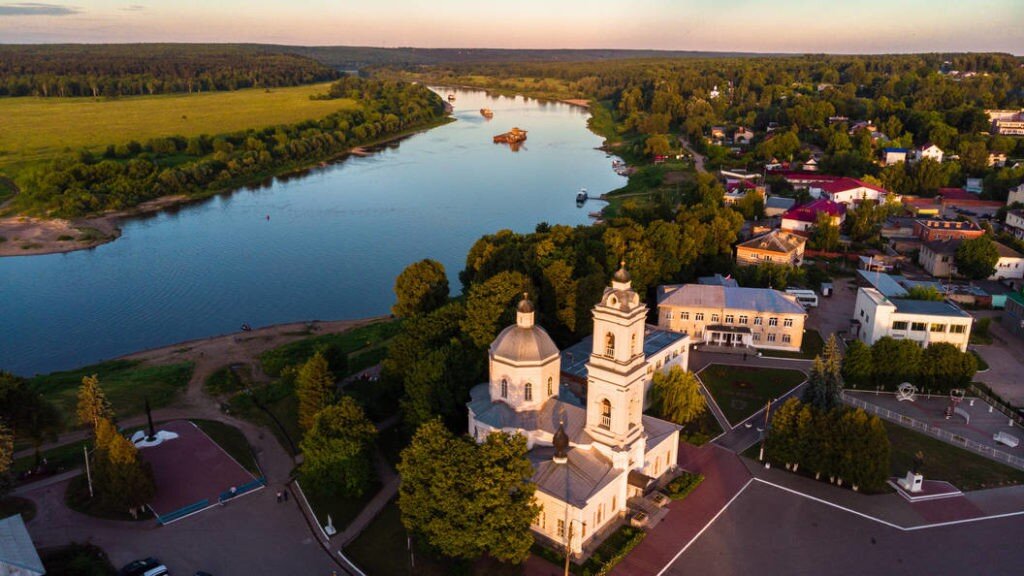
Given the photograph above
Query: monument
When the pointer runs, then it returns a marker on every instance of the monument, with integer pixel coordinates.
(914, 480)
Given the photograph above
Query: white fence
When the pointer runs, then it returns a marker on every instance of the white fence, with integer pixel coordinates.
(954, 439)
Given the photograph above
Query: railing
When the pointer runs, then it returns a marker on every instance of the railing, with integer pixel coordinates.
(182, 512)
(997, 403)
(247, 487)
(945, 436)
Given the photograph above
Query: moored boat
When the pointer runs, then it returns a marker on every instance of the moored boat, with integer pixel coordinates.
(513, 136)
(486, 113)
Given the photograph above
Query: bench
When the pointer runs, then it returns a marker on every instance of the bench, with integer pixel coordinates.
(1007, 439)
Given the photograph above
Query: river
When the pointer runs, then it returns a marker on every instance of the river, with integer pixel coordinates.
(326, 244)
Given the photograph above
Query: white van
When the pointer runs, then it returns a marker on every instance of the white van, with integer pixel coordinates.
(807, 298)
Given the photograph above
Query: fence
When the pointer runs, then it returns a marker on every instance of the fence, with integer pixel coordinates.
(182, 512)
(997, 403)
(934, 431)
(247, 487)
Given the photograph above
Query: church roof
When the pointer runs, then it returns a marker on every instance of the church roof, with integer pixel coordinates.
(658, 431)
(575, 357)
(525, 345)
(501, 416)
(16, 547)
(584, 474)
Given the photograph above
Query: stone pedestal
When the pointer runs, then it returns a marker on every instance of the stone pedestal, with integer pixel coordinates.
(912, 483)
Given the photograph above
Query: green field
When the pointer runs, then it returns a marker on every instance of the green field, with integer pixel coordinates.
(740, 391)
(36, 129)
(127, 384)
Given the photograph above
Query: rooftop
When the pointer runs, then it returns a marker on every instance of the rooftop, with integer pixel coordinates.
(717, 280)
(16, 547)
(884, 283)
(956, 194)
(775, 241)
(779, 202)
(575, 357)
(928, 308)
(809, 212)
(755, 299)
(943, 246)
(844, 184)
(1007, 252)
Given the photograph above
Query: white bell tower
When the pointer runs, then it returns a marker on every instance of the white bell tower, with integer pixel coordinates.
(616, 372)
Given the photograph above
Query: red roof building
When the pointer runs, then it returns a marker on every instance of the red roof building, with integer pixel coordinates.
(803, 218)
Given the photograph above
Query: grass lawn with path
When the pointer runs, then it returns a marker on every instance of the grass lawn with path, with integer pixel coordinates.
(232, 441)
(742, 390)
(127, 384)
(811, 346)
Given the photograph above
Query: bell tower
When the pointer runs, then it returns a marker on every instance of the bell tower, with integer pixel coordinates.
(616, 370)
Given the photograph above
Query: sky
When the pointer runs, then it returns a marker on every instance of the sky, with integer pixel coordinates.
(832, 26)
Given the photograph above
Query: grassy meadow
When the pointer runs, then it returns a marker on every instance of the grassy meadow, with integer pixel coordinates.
(37, 129)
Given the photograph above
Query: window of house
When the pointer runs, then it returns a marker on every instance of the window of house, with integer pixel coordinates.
(561, 528)
(729, 319)
(771, 337)
(957, 328)
(504, 388)
(757, 337)
(938, 328)
(528, 392)
(899, 325)
(743, 319)
(758, 320)
(786, 339)
(773, 321)
(668, 314)
(699, 316)
(684, 315)
(714, 317)
(606, 414)
(609, 344)
(917, 326)
(787, 323)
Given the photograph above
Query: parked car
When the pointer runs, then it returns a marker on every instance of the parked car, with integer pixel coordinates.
(144, 567)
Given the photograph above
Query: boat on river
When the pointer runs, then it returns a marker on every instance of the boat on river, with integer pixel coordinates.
(486, 113)
(451, 97)
(581, 196)
(513, 136)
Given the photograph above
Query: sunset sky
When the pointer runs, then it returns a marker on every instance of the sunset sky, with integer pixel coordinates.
(723, 25)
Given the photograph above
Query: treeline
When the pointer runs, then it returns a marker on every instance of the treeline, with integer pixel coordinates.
(890, 362)
(441, 351)
(107, 70)
(126, 175)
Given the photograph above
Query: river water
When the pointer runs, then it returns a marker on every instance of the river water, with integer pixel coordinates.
(335, 240)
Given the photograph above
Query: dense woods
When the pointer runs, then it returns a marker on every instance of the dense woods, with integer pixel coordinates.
(105, 70)
(128, 174)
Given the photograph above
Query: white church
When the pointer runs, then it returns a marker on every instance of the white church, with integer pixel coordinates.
(591, 455)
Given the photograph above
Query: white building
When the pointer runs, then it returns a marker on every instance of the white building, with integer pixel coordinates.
(848, 191)
(1015, 223)
(930, 151)
(588, 459)
(926, 322)
(892, 156)
(1015, 195)
(1010, 264)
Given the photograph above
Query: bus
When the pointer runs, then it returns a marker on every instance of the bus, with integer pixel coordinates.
(807, 298)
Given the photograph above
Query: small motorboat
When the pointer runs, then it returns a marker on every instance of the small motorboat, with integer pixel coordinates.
(486, 113)
(581, 196)
(451, 97)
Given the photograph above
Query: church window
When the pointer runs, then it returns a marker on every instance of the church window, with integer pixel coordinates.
(606, 414)
(615, 503)
(561, 528)
(551, 389)
(528, 392)
(504, 388)
(584, 535)
(632, 345)
(609, 344)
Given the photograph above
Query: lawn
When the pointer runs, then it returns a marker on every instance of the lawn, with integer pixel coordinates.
(36, 129)
(809, 348)
(67, 457)
(342, 510)
(232, 441)
(79, 559)
(741, 391)
(361, 347)
(274, 406)
(228, 380)
(14, 505)
(965, 470)
(127, 384)
(701, 429)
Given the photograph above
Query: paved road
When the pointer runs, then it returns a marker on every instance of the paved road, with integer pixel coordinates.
(1005, 357)
(767, 531)
(698, 160)
(741, 437)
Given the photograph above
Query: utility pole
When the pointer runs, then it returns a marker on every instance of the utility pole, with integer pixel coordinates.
(764, 437)
(88, 473)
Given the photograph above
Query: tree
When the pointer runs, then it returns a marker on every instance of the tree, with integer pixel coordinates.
(976, 258)
(782, 435)
(29, 415)
(657, 145)
(336, 450)
(489, 306)
(858, 364)
(422, 287)
(122, 481)
(676, 395)
(944, 366)
(924, 293)
(825, 235)
(93, 405)
(825, 381)
(895, 361)
(467, 500)
(6, 458)
(315, 388)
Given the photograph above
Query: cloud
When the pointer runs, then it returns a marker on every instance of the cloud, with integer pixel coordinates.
(133, 8)
(35, 9)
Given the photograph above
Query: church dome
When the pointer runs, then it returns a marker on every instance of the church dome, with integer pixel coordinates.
(525, 305)
(621, 275)
(518, 343)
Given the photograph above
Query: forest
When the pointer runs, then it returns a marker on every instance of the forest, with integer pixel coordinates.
(109, 70)
(125, 175)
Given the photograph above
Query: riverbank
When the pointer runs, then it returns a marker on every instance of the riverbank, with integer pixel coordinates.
(34, 236)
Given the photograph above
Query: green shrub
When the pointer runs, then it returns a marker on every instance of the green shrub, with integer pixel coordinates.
(681, 487)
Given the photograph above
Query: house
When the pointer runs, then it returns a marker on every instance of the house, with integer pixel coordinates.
(734, 317)
(742, 136)
(737, 190)
(804, 218)
(1015, 223)
(18, 556)
(801, 179)
(997, 159)
(919, 206)
(967, 203)
(1013, 318)
(589, 455)
(832, 120)
(811, 165)
(738, 175)
(929, 151)
(1007, 122)
(898, 231)
(862, 125)
(974, 185)
(1016, 195)
(714, 94)
(924, 321)
(931, 230)
(937, 258)
(892, 156)
(849, 190)
(718, 280)
(775, 247)
(717, 133)
(777, 205)
(1010, 264)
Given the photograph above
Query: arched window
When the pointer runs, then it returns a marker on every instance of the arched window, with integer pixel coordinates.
(609, 344)
(528, 392)
(550, 386)
(606, 414)
(504, 388)
(632, 345)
